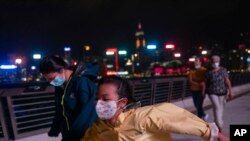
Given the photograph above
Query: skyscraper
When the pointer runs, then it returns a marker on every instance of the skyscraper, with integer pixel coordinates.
(67, 53)
(140, 60)
(140, 42)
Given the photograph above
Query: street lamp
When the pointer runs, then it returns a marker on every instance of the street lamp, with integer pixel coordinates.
(87, 48)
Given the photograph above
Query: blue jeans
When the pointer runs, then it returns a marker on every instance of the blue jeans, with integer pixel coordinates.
(198, 103)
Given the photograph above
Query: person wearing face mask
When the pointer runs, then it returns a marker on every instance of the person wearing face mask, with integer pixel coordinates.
(75, 90)
(218, 86)
(122, 119)
(196, 79)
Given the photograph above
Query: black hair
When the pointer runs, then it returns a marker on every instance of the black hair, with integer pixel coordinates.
(53, 63)
(123, 87)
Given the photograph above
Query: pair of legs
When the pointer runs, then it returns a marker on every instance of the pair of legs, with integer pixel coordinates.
(218, 103)
(198, 103)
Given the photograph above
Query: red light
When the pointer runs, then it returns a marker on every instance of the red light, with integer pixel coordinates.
(111, 73)
(111, 50)
(158, 70)
(205, 59)
(169, 71)
(183, 69)
(170, 46)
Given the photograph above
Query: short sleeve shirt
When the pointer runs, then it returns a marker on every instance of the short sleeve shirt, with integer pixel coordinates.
(197, 75)
(215, 82)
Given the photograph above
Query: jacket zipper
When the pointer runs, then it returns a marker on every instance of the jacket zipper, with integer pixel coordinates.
(62, 103)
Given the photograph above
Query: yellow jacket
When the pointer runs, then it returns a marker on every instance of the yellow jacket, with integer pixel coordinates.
(151, 123)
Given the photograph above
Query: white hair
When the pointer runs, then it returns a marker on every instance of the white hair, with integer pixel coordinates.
(215, 57)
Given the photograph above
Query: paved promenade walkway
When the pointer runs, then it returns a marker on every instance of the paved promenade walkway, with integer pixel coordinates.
(237, 111)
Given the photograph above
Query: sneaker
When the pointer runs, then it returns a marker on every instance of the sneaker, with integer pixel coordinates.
(205, 117)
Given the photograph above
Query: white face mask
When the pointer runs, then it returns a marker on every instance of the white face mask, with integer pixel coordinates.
(197, 66)
(106, 109)
(216, 65)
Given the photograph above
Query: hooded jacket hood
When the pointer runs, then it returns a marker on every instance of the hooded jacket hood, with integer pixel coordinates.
(89, 70)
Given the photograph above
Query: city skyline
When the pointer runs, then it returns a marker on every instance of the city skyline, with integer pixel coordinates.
(48, 26)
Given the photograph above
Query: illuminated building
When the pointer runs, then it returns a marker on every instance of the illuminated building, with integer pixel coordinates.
(140, 41)
(140, 46)
(67, 53)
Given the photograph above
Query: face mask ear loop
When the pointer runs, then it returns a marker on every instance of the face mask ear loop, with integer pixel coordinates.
(132, 105)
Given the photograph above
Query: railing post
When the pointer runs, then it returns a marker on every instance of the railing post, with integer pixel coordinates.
(3, 126)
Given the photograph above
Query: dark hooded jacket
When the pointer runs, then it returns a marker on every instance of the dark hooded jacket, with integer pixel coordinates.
(75, 110)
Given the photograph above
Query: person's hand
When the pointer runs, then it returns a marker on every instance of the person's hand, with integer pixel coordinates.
(52, 133)
(222, 137)
(203, 89)
(230, 95)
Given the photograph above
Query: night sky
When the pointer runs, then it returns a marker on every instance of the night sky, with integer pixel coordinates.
(29, 26)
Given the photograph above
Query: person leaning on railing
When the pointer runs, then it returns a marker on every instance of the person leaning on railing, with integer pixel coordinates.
(122, 118)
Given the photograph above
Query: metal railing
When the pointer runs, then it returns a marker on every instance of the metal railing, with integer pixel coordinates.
(27, 110)
(156, 90)
(3, 129)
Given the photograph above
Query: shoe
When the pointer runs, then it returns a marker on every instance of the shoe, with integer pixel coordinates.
(205, 117)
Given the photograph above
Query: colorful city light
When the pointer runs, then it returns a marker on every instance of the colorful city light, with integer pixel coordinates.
(113, 51)
(191, 59)
(203, 52)
(110, 53)
(87, 48)
(18, 61)
(170, 46)
(8, 67)
(36, 56)
(151, 46)
(67, 48)
(177, 55)
(33, 67)
(122, 52)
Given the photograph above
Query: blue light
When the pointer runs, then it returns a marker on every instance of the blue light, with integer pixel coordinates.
(151, 46)
(122, 52)
(248, 59)
(8, 67)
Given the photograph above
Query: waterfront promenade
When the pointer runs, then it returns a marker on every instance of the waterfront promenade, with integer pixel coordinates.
(237, 111)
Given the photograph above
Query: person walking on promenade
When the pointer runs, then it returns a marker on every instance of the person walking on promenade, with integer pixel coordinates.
(218, 86)
(75, 91)
(122, 119)
(196, 79)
